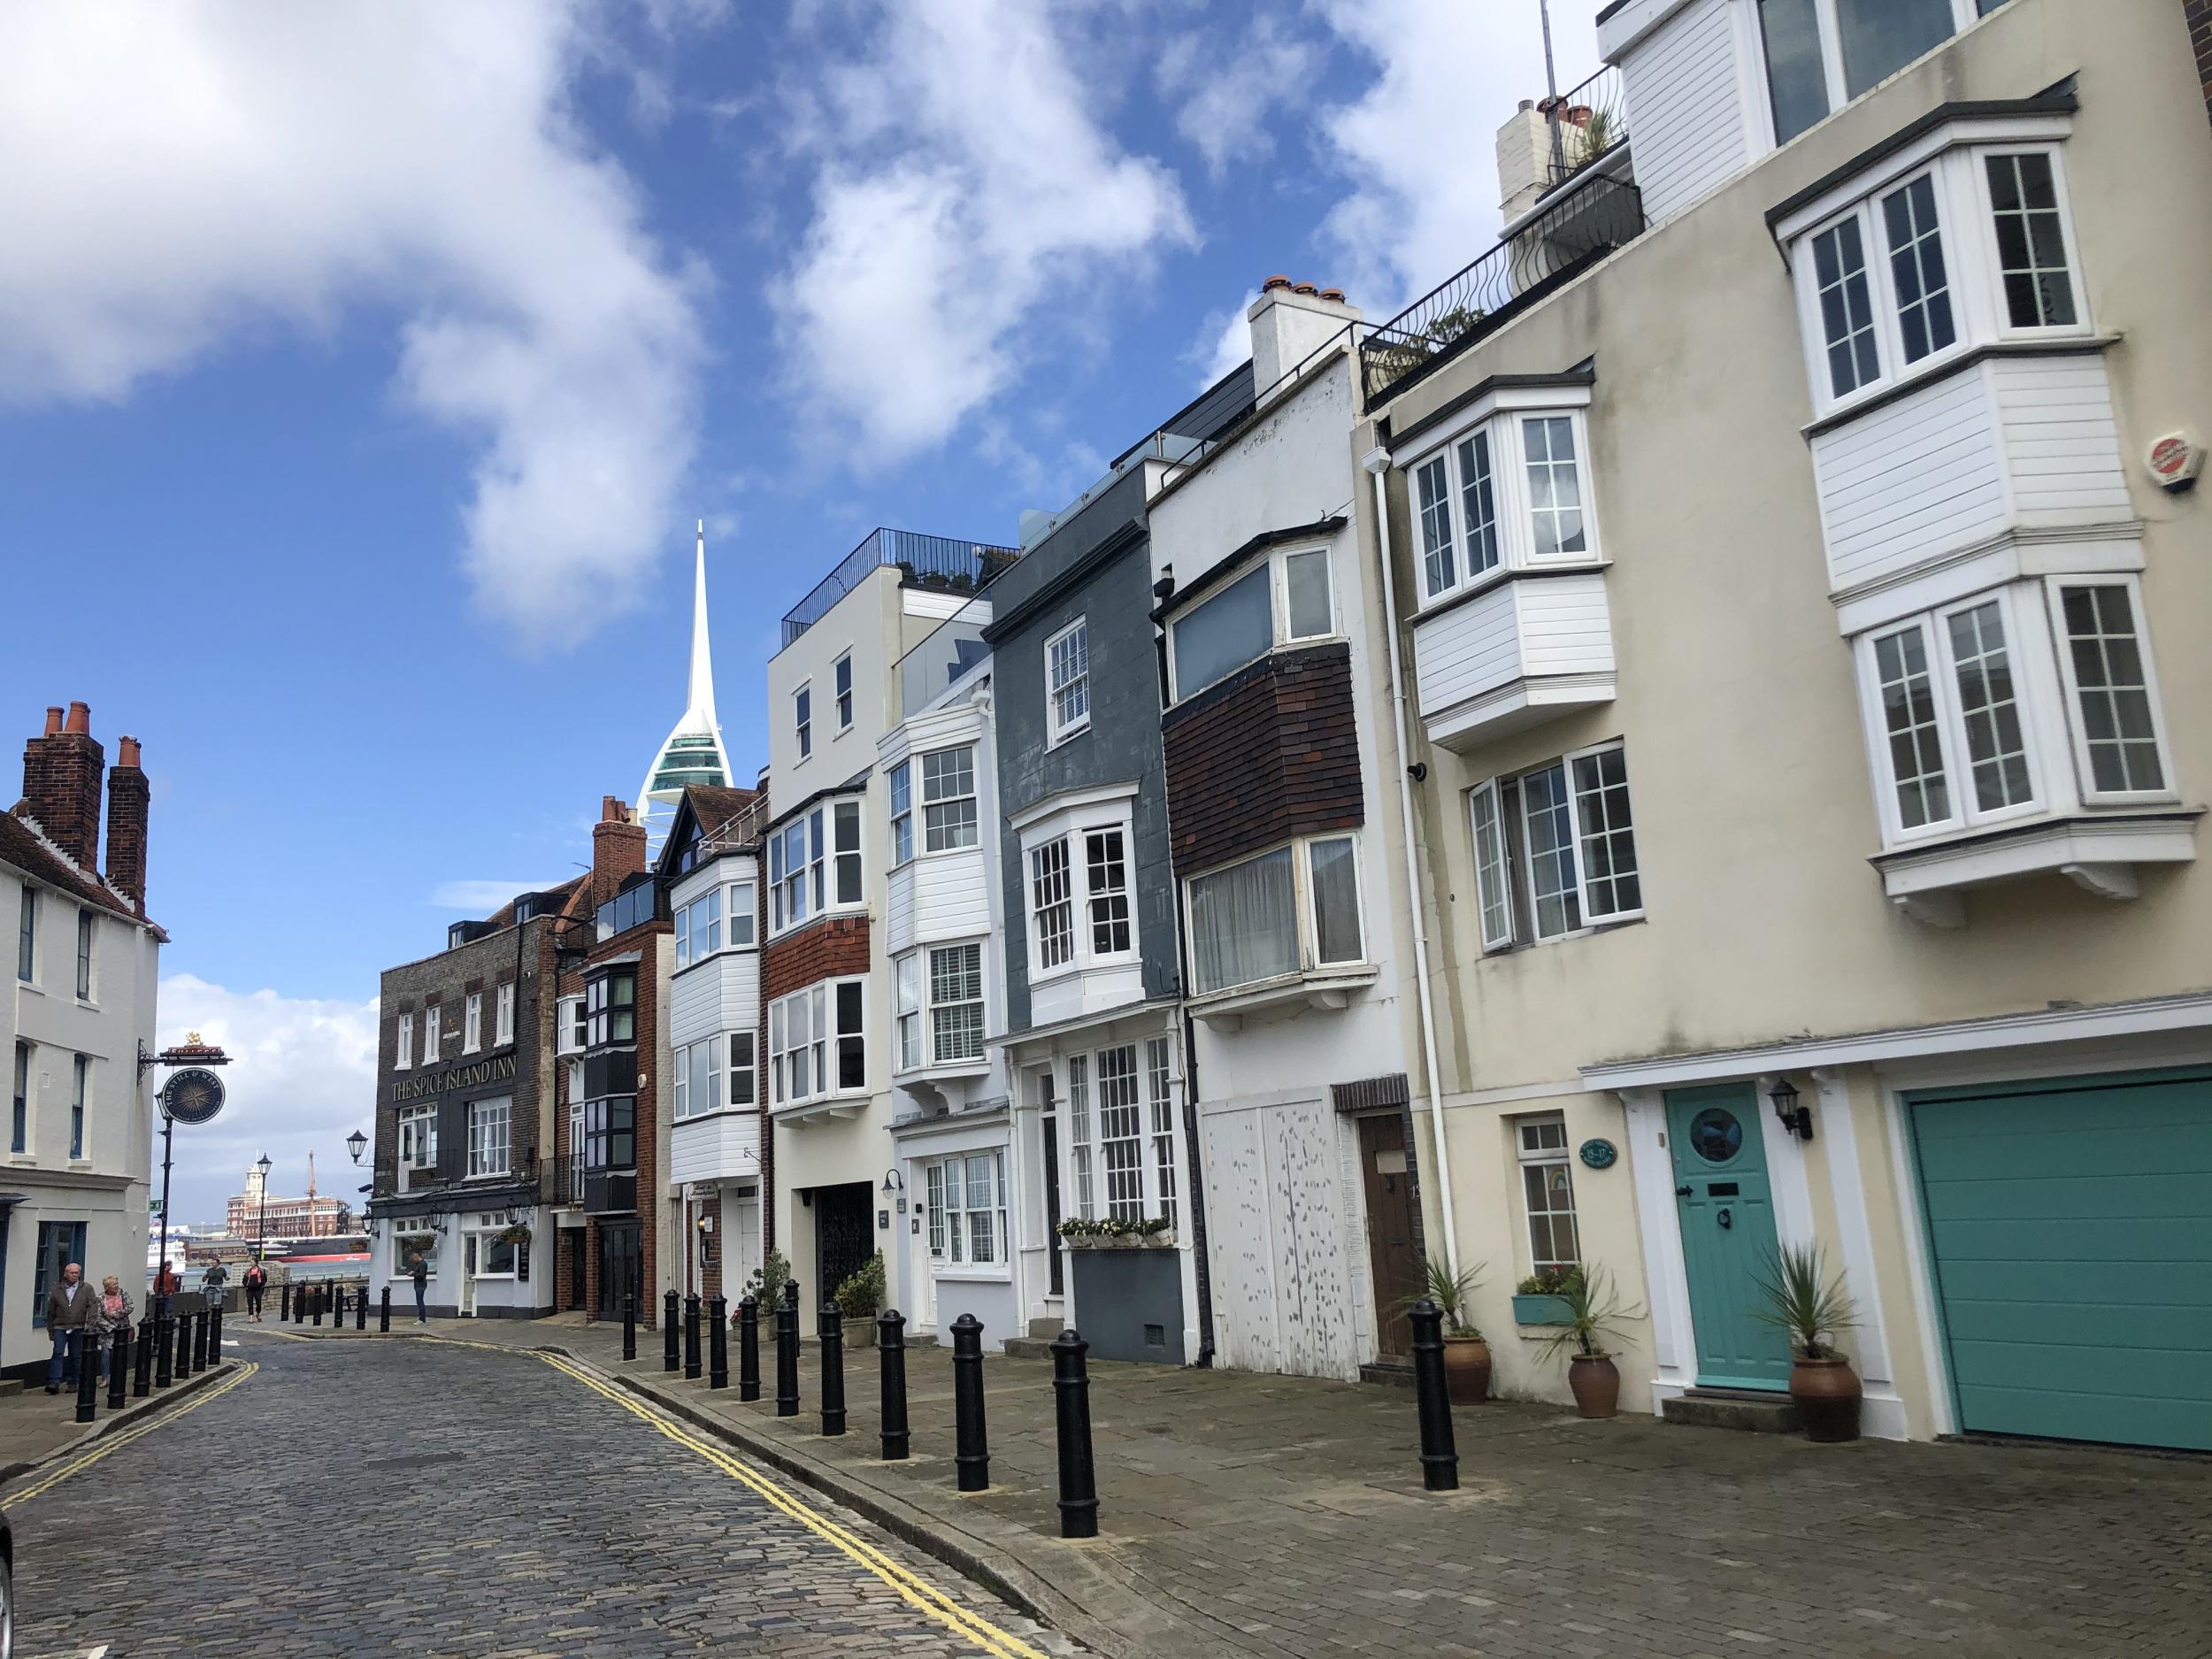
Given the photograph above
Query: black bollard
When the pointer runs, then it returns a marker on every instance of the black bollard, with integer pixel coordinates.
(972, 1448)
(299, 1306)
(161, 1351)
(1071, 1405)
(142, 1349)
(183, 1323)
(717, 1343)
(284, 1303)
(338, 1308)
(788, 1351)
(384, 1311)
(119, 1367)
(891, 1354)
(691, 1337)
(629, 1326)
(669, 1361)
(749, 1348)
(199, 1340)
(832, 1328)
(316, 1314)
(1439, 1459)
(87, 1376)
(361, 1309)
(215, 1334)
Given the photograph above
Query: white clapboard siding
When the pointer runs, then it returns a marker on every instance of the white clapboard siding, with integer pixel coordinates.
(1909, 480)
(2062, 445)
(1686, 114)
(716, 1148)
(1528, 628)
(720, 995)
(952, 897)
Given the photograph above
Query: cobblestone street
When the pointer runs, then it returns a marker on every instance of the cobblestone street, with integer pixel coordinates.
(426, 1499)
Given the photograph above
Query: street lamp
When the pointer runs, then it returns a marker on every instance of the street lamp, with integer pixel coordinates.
(357, 1143)
(261, 1226)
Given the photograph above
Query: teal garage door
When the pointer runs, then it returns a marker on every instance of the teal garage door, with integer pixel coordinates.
(2071, 1230)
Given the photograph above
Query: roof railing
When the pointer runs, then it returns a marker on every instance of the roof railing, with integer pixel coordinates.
(962, 566)
(1587, 123)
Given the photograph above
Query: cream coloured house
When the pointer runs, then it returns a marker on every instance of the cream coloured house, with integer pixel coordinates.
(1813, 682)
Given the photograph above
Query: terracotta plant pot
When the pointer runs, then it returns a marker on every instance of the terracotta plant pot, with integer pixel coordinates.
(1596, 1385)
(1467, 1369)
(1827, 1397)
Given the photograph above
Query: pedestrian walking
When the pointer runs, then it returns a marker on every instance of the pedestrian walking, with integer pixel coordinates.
(419, 1271)
(212, 1283)
(112, 1316)
(68, 1317)
(257, 1283)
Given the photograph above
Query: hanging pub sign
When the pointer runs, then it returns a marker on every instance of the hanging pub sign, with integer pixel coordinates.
(193, 1095)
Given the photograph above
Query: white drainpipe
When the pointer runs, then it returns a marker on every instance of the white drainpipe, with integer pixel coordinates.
(1378, 465)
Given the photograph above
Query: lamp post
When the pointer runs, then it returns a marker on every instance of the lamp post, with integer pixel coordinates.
(261, 1225)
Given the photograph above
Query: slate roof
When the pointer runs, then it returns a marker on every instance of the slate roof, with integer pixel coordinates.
(24, 846)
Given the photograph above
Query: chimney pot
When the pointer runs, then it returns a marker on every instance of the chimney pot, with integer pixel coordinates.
(1334, 293)
(79, 719)
(53, 720)
(1274, 283)
(1303, 287)
(126, 751)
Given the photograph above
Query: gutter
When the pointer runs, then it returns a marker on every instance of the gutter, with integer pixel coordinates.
(1378, 465)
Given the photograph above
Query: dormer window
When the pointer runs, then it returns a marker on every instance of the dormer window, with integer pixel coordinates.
(1510, 493)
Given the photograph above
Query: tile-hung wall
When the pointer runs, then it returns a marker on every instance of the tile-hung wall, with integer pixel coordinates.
(1920, 772)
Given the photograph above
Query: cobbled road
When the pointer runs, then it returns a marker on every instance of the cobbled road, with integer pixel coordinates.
(419, 1498)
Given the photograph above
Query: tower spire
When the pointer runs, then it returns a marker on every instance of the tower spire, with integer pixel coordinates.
(702, 700)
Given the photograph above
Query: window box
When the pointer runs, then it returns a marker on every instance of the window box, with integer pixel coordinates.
(1132, 1301)
(1541, 1310)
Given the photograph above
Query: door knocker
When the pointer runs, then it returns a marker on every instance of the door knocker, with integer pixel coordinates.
(1726, 1220)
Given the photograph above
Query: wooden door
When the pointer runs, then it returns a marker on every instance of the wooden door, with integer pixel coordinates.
(1393, 1259)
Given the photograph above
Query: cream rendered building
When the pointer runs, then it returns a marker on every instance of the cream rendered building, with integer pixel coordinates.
(1814, 685)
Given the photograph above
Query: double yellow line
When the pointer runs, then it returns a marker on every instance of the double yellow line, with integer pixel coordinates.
(115, 1443)
(915, 1591)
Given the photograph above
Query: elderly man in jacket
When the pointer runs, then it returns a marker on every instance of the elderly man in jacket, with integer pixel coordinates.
(68, 1317)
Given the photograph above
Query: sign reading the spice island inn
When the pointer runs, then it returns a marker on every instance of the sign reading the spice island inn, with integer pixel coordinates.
(499, 1069)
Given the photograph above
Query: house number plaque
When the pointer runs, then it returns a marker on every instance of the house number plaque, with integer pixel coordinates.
(1598, 1155)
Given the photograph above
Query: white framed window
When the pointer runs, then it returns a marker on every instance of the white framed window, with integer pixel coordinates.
(86, 923)
(1106, 888)
(575, 1189)
(2035, 263)
(1290, 910)
(1081, 909)
(404, 1055)
(699, 928)
(1283, 599)
(1547, 1193)
(744, 1069)
(431, 1036)
(1821, 54)
(818, 1042)
(939, 1008)
(487, 1122)
(504, 1017)
(418, 1137)
(611, 1010)
(1079, 1136)
(949, 799)
(907, 1015)
(679, 1067)
(814, 864)
(27, 935)
(802, 718)
(698, 1069)
(744, 902)
(1120, 1132)
(2111, 693)
(901, 796)
(473, 1023)
(1159, 1097)
(1555, 848)
(1119, 1118)
(1051, 907)
(569, 1023)
(846, 868)
(841, 677)
(967, 1210)
(79, 1091)
(1068, 680)
(1511, 493)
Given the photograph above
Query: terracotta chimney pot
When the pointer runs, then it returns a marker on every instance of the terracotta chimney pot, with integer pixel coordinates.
(53, 720)
(79, 719)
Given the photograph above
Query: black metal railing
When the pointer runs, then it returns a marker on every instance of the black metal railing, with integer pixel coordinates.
(1546, 252)
(1586, 123)
(934, 561)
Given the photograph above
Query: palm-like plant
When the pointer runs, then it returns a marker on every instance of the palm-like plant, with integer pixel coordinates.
(1805, 1302)
(1451, 1293)
(1593, 1315)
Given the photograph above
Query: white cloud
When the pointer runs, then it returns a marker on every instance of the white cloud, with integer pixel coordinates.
(1229, 89)
(200, 172)
(303, 1078)
(957, 182)
(482, 897)
(1223, 340)
(1421, 142)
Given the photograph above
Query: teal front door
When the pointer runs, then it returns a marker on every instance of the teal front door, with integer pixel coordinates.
(1720, 1190)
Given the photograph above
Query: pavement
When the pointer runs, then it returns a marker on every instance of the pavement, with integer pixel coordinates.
(382, 1497)
(1244, 1514)
(35, 1426)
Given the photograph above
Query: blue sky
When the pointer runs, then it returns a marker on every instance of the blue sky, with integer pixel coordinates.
(362, 369)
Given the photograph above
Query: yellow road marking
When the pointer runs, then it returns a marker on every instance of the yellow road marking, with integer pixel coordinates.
(917, 1591)
(116, 1442)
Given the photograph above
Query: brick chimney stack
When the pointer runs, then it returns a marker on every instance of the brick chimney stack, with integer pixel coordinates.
(129, 793)
(618, 850)
(61, 784)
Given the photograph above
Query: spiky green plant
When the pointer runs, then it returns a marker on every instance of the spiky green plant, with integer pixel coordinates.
(1451, 1294)
(1803, 1302)
(1594, 1314)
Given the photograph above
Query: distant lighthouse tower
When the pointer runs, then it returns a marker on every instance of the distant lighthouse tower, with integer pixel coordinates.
(693, 752)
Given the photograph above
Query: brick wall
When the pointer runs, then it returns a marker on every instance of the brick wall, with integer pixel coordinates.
(1270, 753)
(820, 950)
(2198, 15)
(61, 784)
(128, 793)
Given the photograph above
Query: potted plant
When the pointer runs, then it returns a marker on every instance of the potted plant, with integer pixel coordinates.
(860, 1295)
(1540, 1298)
(1812, 1307)
(766, 1284)
(1466, 1355)
(1593, 1313)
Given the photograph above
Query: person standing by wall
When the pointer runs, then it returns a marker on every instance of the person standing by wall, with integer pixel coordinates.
(255, 1281)
(68, 1317)
(112, 1315)
(419, 1271)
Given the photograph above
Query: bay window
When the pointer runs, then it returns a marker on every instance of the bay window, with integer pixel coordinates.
(814, 864)
(949, 799)
(610, 1133)
(698, 1068)
(611, 1009)
(1052, 913)
(902, 798)
(966, 1198)
(1511, 494)
(940, 1006)
(699, 928)
(1283, 599)
(1081, 908)
(1294, 909)
(1555, 850)
(742, 904)
(1120, 1124)
(818, 1043)
(744, 1086)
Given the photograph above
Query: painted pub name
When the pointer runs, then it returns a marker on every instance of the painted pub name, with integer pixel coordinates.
(498, 1068)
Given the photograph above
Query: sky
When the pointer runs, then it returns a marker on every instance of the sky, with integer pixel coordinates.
(365, 367)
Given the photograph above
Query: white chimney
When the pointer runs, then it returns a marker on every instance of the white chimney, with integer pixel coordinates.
(1524, 160)
(1290, 321)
